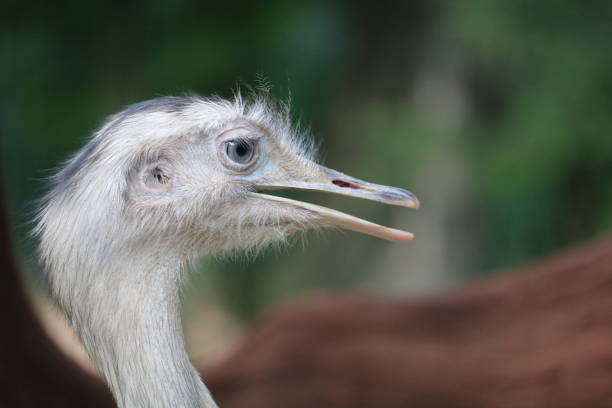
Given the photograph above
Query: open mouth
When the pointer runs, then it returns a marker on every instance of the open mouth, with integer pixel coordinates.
(331, 181)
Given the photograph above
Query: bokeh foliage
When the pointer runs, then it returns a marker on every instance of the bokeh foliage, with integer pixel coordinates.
(541, 132)
(519, 93)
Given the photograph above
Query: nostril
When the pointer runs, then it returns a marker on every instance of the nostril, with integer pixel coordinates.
(345, 184)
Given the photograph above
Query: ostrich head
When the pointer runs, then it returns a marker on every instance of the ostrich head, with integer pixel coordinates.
(158, 185)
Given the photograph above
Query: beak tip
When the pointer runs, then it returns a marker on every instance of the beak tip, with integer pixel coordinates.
(411, 202)
(399, 196)
(414, 203)
(400, 236)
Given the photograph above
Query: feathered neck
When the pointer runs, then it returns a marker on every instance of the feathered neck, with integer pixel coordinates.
(131, 328)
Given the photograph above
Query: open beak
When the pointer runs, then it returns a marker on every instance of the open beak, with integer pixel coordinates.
(320, 178)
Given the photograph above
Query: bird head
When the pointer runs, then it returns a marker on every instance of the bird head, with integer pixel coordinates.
(200, 174)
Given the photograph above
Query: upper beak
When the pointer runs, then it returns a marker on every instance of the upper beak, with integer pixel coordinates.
(319, 178)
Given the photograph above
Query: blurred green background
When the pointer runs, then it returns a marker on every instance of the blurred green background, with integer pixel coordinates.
(497, 114)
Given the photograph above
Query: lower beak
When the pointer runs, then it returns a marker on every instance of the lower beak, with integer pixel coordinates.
(331, 181)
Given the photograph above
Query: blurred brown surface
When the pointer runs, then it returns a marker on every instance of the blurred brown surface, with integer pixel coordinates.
(540, 337)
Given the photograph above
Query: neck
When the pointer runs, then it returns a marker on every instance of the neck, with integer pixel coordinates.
(132, 330)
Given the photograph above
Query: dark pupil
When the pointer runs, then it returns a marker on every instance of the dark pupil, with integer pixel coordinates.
(242, 149)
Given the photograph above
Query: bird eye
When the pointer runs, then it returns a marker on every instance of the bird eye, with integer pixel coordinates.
(240, 151)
